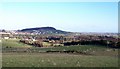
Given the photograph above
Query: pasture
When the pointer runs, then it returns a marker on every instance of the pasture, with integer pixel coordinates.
(17, 54)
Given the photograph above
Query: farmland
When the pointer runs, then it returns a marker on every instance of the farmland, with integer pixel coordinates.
(17, 54)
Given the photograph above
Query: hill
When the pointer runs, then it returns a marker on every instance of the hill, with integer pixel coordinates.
(44, 30)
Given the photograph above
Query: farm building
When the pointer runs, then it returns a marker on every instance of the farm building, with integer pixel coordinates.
(5, 35)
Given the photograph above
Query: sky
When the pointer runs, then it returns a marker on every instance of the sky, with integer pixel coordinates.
(67, 16)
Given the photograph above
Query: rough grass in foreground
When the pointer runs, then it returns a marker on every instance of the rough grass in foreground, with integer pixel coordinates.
(56, 60)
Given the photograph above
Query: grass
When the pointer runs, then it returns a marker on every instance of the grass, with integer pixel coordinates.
(101, 56)
(56, 60)
(77, 48)
(14, 43)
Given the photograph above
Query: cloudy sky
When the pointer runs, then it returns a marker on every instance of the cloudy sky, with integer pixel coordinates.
(67, 16)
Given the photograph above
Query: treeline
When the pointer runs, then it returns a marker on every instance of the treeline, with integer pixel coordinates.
(107, 43)
(95, 42)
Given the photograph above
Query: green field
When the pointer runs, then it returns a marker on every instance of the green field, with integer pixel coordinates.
(56, 60)
(13, 43)
(17, 54)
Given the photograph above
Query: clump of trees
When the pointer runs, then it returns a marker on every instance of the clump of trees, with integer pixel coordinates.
(106, 43)
(34, 43)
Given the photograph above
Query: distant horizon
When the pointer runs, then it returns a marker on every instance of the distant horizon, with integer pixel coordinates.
(66, 16)
(59, 29)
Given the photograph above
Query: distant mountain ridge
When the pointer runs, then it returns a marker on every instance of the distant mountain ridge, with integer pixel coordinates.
(44, 30)
(39, 28)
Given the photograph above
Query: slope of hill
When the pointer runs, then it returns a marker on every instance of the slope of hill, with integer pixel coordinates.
(44, 30)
